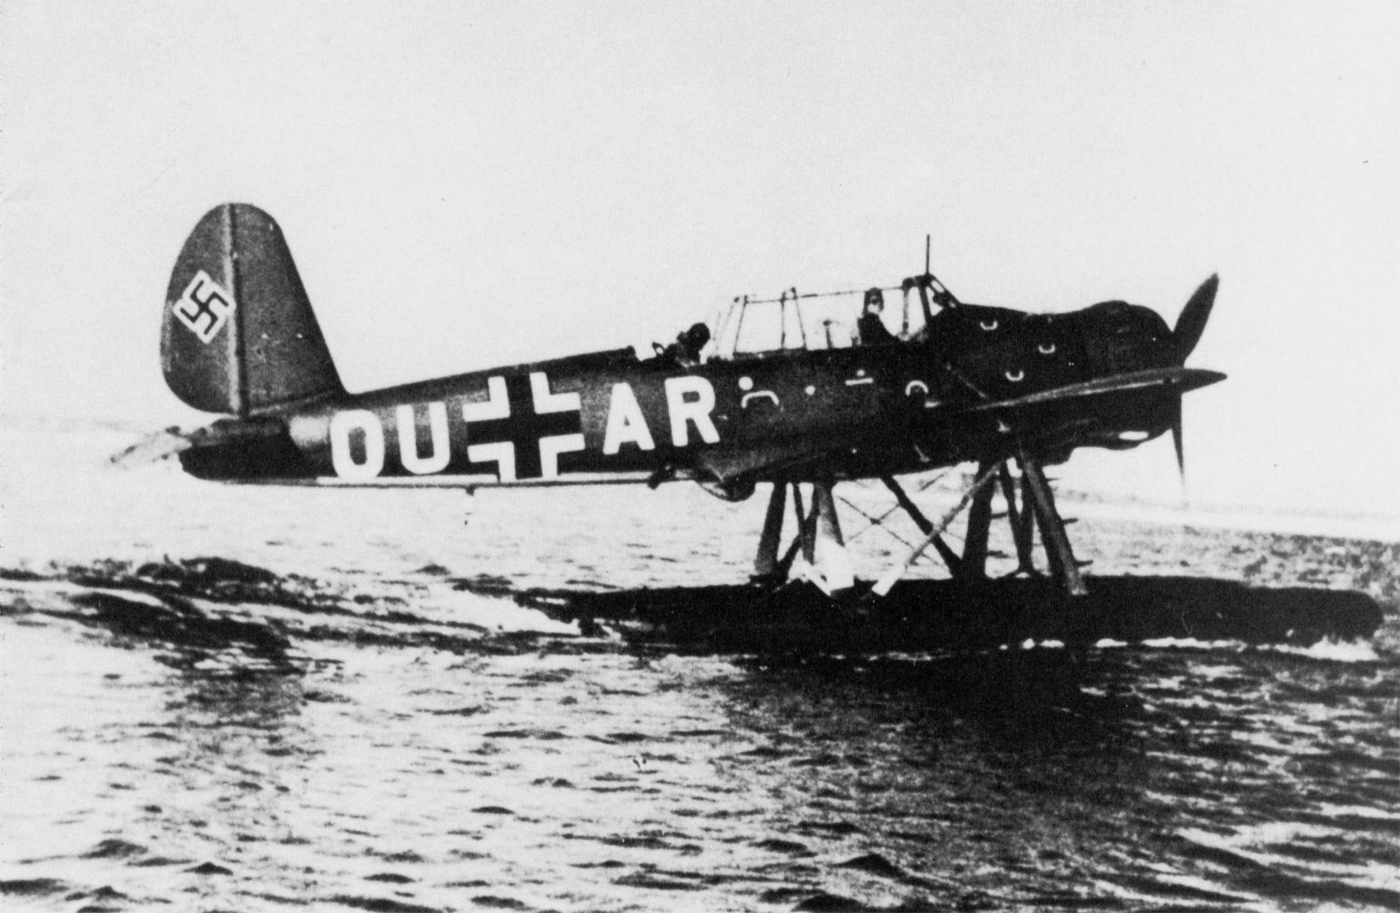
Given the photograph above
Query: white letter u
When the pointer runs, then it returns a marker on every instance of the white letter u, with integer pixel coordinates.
(441, 452)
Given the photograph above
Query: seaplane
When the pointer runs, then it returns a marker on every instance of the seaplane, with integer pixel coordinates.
(784, 391)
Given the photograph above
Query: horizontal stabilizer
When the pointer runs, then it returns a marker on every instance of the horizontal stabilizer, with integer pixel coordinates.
(152, 448)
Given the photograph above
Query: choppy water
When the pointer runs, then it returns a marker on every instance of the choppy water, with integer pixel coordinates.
(354, 729)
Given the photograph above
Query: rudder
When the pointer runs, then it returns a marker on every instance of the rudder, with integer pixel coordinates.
(238, 335)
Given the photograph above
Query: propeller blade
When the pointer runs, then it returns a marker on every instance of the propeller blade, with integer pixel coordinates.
(1192, 321)
(1177, 442)
(1180, 454)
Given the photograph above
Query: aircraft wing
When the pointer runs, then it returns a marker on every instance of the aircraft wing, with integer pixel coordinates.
(1083, 411)
(1173, 380)
(1115, 411)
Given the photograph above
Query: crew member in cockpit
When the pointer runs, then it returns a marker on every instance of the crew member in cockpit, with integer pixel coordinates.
(870, 329)
(686, 349)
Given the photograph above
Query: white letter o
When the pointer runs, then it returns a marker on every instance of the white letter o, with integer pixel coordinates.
(342, 424)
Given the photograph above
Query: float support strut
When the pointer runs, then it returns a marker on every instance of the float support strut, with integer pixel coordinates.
(979, 526)
(1052, 526)
(830, 560)
(806, 524)
(1020, 519)
(765, 563)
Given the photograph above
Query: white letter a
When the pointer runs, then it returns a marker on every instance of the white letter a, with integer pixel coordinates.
(626, 423)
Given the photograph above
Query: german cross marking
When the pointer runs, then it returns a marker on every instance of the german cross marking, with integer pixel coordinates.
(523, 428)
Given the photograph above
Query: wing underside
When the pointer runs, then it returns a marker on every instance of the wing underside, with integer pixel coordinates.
(1169, 382)
(1117, 412)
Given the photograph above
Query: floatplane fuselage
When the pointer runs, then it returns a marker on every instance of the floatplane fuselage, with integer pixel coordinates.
(815, 401)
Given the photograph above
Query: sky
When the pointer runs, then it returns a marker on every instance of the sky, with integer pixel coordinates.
(466, 185)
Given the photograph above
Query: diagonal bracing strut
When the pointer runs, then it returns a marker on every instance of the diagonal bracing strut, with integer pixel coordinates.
(892, 576)
(924, 524)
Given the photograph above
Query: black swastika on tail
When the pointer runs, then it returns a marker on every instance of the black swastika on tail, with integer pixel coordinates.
(524, 428)
(206, 315)
(204, 307)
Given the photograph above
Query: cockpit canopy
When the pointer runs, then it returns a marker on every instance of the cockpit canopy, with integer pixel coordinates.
(751, 327)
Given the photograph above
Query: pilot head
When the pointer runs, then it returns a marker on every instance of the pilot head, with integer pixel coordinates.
(874, 301)
(697, 336)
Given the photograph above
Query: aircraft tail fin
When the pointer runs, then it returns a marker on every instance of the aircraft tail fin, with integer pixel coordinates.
(238, 335)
